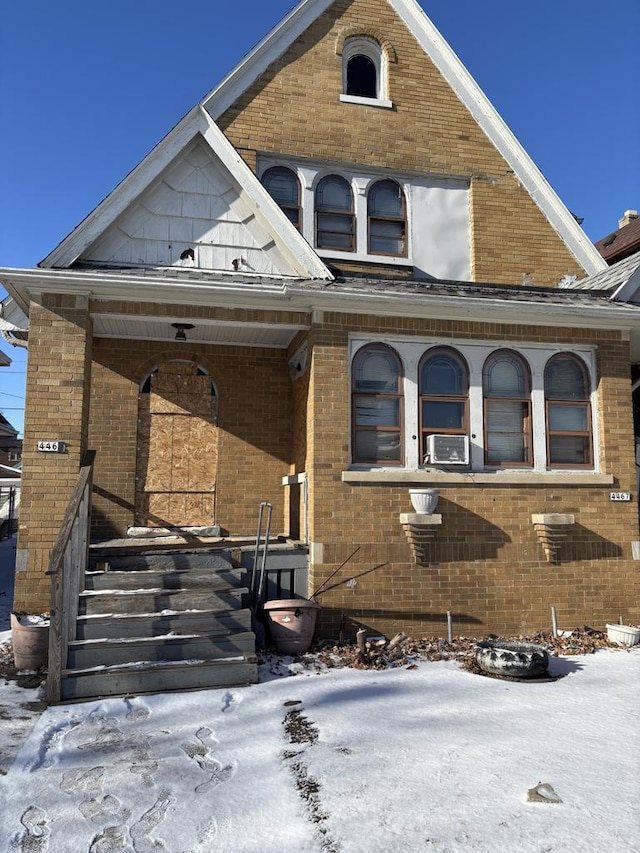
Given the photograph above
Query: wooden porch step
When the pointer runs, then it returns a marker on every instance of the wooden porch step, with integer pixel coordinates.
(158, 579)
(122, 626)
(84, 654)
(161, 561)
(133, 679)
(156, 600)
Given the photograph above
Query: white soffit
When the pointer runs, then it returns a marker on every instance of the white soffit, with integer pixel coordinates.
(444, 58)
(302, 259)
(220, 332)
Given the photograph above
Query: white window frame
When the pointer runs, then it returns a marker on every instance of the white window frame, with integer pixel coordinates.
(309, 176)
(361, 46)
(410, 353)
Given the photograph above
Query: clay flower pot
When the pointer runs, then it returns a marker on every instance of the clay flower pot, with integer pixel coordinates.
(30, 641)
(292, 622)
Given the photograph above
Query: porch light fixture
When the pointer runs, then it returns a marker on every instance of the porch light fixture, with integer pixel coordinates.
(182, 330)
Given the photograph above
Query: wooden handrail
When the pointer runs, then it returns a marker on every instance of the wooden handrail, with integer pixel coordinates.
(67, 564)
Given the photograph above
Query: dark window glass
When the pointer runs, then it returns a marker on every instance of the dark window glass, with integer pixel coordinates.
(362, 77)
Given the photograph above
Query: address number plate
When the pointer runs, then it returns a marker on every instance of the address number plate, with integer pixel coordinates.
(52, 446)
(619, 496)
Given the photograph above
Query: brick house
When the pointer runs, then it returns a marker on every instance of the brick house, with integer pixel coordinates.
(334, 280)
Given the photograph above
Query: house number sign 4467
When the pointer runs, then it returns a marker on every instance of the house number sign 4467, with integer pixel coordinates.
(619, 496)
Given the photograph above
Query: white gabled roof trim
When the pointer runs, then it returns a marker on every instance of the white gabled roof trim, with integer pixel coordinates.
(295, 248)
(436, 47)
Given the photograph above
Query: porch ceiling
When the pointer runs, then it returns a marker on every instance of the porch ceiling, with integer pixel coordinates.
(204, 331)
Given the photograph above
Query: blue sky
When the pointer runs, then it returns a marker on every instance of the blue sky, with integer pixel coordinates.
(88, 89)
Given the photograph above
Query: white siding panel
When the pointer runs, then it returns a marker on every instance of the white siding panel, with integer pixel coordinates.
(161, 199)
(155, 228)
(181, 229)
(440, 230)
(178, 176)
(196, 206)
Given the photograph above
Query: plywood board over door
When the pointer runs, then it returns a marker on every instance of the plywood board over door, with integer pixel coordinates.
(177, 453)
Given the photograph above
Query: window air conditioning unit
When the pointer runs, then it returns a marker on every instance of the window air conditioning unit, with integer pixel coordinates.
(448, 449)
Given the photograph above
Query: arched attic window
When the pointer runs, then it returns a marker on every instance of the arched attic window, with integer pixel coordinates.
(364, 69)
(335, 218)
(387, 219)
(284, 188)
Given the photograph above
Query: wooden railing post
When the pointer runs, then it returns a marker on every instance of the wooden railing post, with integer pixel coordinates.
(67, 565)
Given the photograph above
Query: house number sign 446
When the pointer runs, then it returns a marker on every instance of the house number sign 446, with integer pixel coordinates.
(619, 496)
(52, 447)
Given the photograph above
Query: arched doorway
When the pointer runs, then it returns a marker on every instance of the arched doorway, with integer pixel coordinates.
(177, 450)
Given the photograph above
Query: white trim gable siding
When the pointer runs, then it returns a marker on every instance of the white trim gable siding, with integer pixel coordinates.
(434, 45)
(143, 208)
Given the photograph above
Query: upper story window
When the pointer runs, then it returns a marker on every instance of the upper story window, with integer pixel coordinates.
(377, 405)
(387, 219)
(335, 219)
(283, 186)
(567, 395)
(507, 410)
(364, 72)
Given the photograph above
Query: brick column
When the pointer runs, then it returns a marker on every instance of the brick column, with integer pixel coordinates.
(57, 408)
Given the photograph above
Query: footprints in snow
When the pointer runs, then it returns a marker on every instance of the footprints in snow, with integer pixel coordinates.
(34, 838)
(201, 751)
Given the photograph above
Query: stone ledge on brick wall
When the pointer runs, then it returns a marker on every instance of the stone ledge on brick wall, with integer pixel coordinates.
(420, 529)
(552, 528)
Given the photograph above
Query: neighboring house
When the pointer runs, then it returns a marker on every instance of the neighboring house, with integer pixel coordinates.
(623, 242)
(10, 456)
(332, 281)
(13, 323)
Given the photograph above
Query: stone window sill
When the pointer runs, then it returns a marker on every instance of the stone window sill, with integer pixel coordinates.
(499, 478)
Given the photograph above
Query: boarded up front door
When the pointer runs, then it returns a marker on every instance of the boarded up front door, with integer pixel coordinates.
(177, 454)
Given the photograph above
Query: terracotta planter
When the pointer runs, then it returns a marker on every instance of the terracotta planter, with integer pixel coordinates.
(292, 622)
(424, 501)
(30, 644)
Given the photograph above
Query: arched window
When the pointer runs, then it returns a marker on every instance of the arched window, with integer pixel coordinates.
(335, 220)
(377, 406)
(567, 394)
(284, 188)
(507, 410)
(444, 394)
(364, 69)
(387, 219)
(362, 77)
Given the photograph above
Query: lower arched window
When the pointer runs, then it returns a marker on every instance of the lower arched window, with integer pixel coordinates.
(444, 395)
(507, 410)
(377, 405)
(567, 394)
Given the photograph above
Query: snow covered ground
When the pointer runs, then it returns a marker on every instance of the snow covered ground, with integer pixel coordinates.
(431, 759)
